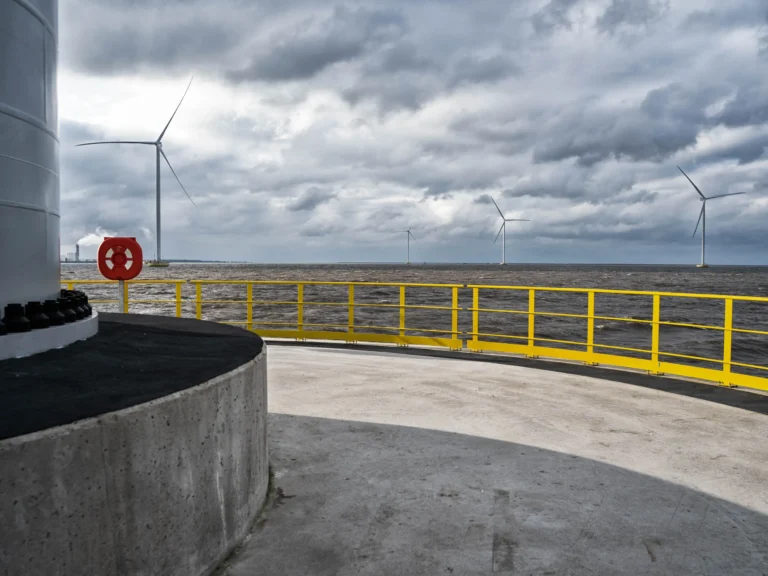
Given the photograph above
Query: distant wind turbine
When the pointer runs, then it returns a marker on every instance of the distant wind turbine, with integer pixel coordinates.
(409, 236)
(703, 215)
(158, 144)
(503, 230)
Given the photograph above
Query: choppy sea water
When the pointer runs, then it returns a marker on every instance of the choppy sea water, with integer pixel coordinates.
(746, 281)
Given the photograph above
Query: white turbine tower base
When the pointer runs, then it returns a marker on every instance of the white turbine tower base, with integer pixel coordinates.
(503, 230)
(703, 217)
(158, 144)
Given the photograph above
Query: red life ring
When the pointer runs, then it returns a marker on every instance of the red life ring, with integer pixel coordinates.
(120, 258)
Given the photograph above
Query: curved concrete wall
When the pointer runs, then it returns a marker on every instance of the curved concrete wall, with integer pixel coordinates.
(167, 488)
(29, 151)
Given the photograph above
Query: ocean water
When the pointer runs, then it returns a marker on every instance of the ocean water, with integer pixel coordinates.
(628, 332)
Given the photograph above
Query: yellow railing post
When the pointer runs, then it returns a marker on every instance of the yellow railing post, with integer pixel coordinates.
(249, 306)
(402, 311)
(455, 314)
(475, 313)
(300, 308)
(727, 341)
(655, 328)
(125, 297)
(531, 321)
(70, 285)
(591, 328)
(351, 314)
(199, 301)
(178, 299)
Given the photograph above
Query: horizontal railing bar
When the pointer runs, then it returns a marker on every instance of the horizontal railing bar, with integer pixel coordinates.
(755, 366)
(570, 342)
(356, 327)
(127, 281)
(323, 283)
(746, 331)
(574, 343)
(313, 303)
(626, 292)
(625, 348)
(701, 358)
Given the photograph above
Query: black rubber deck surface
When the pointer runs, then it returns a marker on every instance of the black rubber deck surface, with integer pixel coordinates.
(133, 359)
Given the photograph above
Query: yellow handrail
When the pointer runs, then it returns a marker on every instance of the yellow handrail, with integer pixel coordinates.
(527, 342)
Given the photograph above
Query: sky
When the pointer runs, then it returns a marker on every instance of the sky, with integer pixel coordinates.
(316, 131)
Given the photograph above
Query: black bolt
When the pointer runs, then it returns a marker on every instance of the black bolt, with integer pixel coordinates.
(14, 319)
(65, 305)
(51, 309)
(37, 318)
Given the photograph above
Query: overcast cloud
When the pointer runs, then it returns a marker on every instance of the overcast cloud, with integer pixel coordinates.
(315, 131)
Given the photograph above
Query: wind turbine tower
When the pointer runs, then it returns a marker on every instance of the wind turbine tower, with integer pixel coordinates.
(409, 236)
(503, 230)
(703, 216)
(158, 144)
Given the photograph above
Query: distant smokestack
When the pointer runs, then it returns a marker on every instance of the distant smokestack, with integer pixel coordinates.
(77, 252)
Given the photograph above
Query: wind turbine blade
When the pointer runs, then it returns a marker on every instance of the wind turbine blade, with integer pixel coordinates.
(500, 229)
(177, 178)
(497, 207)
(691, 181)
(698, 221)
(174, 112)
(115, 142)
(724, 195)
(411, 234)
(516, 220)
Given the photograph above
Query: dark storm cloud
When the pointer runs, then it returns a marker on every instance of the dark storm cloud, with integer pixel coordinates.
(745, 152)
(727, 15)
(632, 13)
(311, 46)
(749, 107)
(127, 37)
(553, 15)
(479, 70)
(483, 199)
(311, 199)
(668, 120)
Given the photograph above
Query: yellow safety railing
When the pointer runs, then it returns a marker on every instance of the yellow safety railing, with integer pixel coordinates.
(402, 335)
(70, 284)
(653, 360)
(654, 364)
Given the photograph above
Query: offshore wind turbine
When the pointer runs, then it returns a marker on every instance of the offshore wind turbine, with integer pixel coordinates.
(503, 230)
(409, 236)
(703, 215)
(158, 144)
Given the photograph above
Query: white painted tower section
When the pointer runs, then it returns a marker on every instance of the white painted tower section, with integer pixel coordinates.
(29, 151)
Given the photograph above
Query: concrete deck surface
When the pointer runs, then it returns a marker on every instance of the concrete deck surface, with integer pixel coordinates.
(402, 465)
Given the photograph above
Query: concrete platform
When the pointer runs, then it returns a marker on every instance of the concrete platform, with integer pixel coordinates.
(133, 359)
(392, 464)
(141, 451)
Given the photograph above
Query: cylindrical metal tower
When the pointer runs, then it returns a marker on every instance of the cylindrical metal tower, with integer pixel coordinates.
(29, 152)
